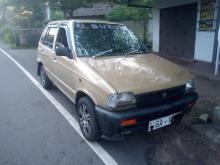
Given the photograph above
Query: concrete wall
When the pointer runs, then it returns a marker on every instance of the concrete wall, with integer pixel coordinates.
(28, 36)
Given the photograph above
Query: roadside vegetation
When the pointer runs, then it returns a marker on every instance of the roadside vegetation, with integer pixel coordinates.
(122, 12)
(21, 17)
(17, 16)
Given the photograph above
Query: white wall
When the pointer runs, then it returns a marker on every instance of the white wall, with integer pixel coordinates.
(204, 46)
(156, 30)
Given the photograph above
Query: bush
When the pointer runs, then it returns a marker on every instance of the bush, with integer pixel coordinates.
(57, 15)
(36, 24)
(122, 13)
(8, 36)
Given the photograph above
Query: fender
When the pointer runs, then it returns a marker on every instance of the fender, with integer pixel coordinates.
(87, 93)
(39, 64)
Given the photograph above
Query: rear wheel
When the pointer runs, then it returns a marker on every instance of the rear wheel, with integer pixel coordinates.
(45, 81)
(87, 119)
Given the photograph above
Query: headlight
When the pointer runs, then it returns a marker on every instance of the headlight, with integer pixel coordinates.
(121, 100)
(189, 85)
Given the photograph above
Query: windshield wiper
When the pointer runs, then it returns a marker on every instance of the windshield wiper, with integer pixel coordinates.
(132, 52)
(139, 51)
(103, 53)
(107, 52)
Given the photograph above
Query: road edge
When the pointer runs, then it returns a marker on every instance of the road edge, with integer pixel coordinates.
(96, 147)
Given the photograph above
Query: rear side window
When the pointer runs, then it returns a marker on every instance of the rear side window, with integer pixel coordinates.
(43, 36)
(49, 38)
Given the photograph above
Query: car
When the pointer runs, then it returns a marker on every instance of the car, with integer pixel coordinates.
(117, 85)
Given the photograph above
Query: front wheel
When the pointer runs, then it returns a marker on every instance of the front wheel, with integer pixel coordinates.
(45, 81)
(87, 119)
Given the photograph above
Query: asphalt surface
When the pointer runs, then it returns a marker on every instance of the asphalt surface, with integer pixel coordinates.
(32, 132)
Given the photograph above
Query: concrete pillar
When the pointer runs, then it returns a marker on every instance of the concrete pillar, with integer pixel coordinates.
(48, 11)
(156, 30)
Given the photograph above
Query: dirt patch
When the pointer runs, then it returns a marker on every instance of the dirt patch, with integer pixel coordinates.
(182, 145)
(209, 96)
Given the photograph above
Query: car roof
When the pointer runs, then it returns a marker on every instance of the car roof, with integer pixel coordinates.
(81, 21)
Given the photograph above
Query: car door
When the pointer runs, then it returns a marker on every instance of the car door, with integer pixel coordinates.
(46, 49)
(63, 66)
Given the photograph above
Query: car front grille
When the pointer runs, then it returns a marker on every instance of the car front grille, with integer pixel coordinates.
(160, 97)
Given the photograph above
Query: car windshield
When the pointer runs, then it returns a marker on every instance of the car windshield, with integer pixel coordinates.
(100, 39)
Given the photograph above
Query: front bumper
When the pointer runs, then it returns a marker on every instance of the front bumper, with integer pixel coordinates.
(110, 121)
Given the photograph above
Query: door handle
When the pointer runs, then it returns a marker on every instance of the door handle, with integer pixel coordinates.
(42, 50)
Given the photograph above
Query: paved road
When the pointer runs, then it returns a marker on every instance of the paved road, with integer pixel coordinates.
(33, 132)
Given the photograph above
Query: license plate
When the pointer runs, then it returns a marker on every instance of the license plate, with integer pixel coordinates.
(159, 123)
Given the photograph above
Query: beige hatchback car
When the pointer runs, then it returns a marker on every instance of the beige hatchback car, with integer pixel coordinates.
(117, 85)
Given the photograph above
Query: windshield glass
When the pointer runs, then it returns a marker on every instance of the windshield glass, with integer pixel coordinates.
(99, 39)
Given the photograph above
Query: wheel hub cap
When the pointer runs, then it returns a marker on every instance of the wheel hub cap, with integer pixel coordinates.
(84, 119)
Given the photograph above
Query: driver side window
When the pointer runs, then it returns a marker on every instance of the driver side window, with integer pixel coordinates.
(62, 41)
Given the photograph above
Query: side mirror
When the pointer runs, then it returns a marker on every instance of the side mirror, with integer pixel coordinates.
(63, 52)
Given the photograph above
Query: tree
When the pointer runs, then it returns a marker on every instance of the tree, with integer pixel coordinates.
(68, 6)
(23, 8)
(132, 10)
(123, 12)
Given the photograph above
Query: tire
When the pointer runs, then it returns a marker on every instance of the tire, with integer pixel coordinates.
(87, 119)
(44, 80)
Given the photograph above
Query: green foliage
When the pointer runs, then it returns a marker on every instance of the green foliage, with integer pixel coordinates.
(122, 12)
(6, 33)
(16, 14)
(68, 6)
(119, 13)
(57, 15)
(8, 36)
(23, 13)
(38, 15)
(36, 24)
(140, 2)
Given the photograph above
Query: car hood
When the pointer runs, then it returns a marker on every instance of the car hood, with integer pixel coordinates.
(139, 73)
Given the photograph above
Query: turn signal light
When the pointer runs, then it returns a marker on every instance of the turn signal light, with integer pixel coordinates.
(126, 123)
